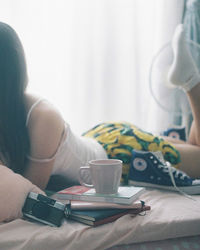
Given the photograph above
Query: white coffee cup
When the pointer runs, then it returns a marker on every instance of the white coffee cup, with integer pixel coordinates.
(105, 175)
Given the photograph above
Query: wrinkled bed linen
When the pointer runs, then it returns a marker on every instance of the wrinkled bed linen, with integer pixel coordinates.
(13, 191)
(172, 215)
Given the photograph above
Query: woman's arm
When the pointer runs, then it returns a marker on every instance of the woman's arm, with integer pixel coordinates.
(46, 127)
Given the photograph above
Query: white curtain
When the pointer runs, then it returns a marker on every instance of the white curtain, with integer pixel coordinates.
(91, 58)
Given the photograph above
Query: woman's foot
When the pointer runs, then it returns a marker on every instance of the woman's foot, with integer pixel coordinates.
(183, 72)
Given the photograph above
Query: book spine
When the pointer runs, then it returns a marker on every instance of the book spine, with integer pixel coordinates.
(101, 199)
(93, 198)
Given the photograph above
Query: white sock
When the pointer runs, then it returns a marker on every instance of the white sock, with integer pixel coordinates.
(183, 71)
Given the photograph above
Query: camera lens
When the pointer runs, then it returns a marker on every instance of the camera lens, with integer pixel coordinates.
(41, 210)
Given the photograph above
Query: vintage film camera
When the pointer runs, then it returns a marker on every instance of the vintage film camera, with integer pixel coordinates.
(44, 209)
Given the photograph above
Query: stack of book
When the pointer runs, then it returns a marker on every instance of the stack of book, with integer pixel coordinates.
(96, 209)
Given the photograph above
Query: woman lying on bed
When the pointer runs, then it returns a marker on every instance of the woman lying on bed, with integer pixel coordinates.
(37, 143)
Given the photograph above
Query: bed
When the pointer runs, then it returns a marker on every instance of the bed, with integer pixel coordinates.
(190, 243)
(172, 223)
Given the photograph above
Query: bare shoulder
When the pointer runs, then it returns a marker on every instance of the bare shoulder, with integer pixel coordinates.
(45, 127)
(45, 112)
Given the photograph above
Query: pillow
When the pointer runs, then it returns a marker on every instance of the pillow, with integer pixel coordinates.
(14, 189)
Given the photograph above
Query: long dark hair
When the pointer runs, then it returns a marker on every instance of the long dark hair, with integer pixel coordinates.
(14, 139)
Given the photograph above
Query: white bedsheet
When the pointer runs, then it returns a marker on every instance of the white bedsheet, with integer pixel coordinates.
(172, 215)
